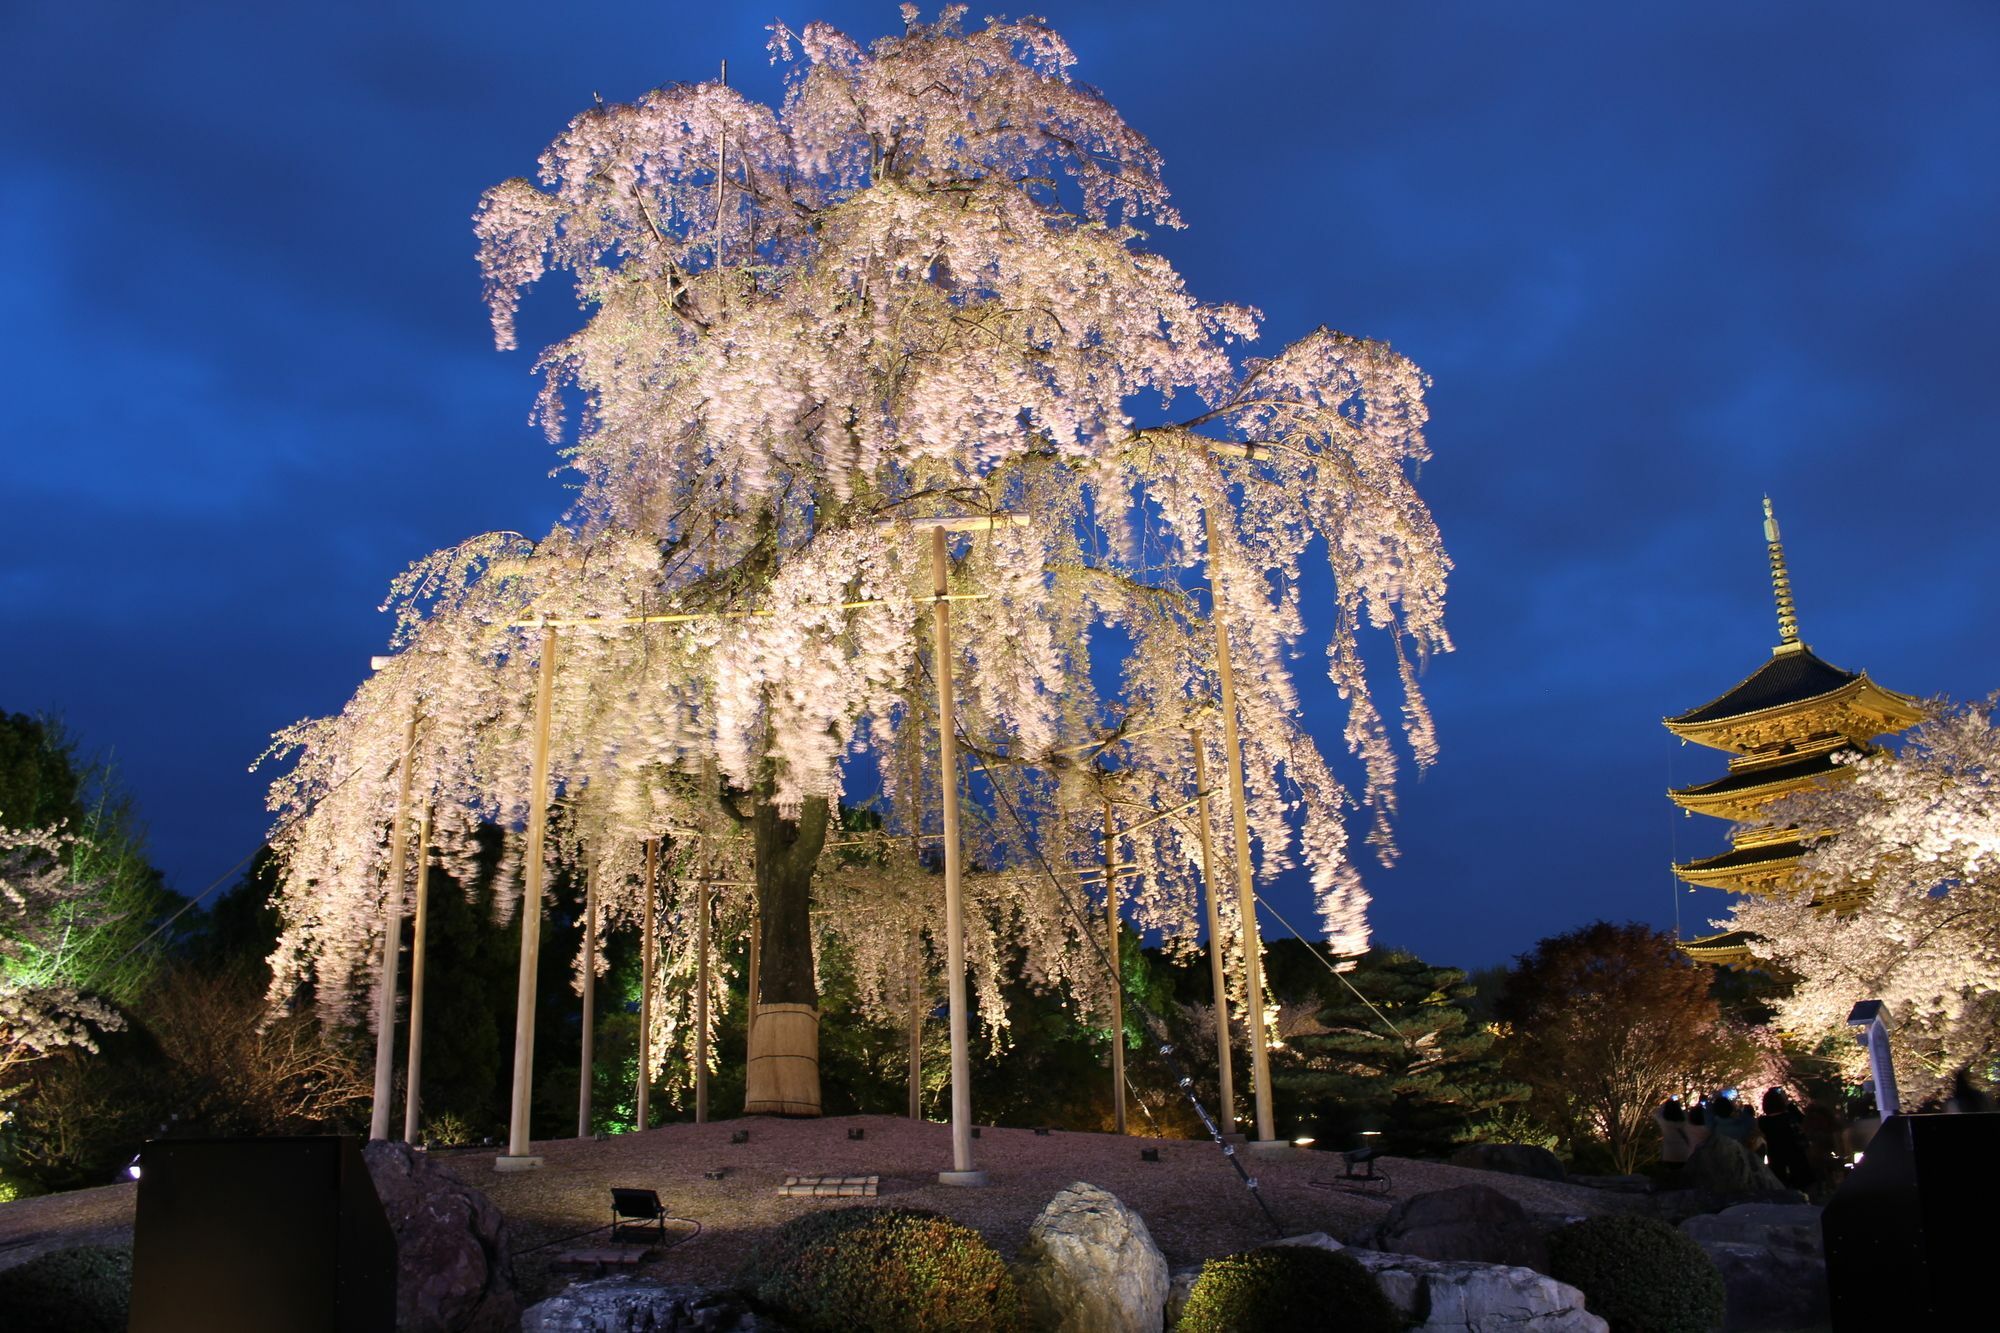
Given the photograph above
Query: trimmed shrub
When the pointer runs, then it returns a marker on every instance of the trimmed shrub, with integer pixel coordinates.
(1287, 1289)
(85, 1290)
(18, 1187)
(1638, 1274)
(892, 1270)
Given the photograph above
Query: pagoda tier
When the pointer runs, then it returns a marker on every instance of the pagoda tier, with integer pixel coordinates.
(1794, 722)
(1756, 780)
(1730, 948)
(1796, 699)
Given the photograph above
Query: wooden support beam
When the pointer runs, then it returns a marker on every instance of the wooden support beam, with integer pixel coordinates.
(1217, 972)
(962, 1171)
(392, 944)
(1246, 889)
(642, 1115)
(531, 918)
(701, 1003)
(1117, 976)
(587, 1057)
(413, 1077)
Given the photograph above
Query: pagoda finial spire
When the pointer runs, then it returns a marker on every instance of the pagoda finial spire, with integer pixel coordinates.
(1781, 583)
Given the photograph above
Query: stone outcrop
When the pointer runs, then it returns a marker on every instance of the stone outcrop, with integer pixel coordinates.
(1090, 1266)
(1443, 1296)
(630, 1305)
(452, 1264)
(1476, 1223)
(1516, 1159)
(1771, 1261)
(1726, 1168)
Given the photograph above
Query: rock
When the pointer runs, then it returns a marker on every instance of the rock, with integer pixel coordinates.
(1722, 1166)
(1180, 1285)
(631, 1305)
(1090, 1266)
(1615, 1184)
(1456, 1297)
(452, 1264)
(1772, 1264)
(1471, 1222)
(1516, 1159)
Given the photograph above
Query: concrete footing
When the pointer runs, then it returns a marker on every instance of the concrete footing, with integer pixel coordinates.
(524, 1163)
(961, 1177)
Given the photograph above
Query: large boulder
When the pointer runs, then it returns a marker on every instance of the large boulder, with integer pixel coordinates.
(1455, 1297)
(1471, 1222)
(1090, 1266)
(1771, 1262)
(452, 1265)
(1516, 1159)
(1724, 1167)
(629, 1305)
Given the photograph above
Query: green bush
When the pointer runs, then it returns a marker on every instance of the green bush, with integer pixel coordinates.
(1286, 1288)
(18, 1187)
(1638, 1274)
(892, 1270)
(86, 1290)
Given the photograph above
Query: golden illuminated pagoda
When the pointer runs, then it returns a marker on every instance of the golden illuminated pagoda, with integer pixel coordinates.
(1785, 723)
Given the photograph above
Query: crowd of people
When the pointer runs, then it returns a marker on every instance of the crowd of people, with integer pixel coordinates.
(1808, 1149)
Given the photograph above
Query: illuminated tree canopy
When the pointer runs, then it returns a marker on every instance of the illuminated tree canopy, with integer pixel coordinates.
(1915, 861)
(918, 290)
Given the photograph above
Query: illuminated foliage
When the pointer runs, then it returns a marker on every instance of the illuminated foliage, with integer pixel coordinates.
(1914, 867)
(917, 290)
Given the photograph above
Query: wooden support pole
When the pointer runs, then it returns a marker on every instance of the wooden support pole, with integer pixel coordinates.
(962, 1172)
(911, 948)
(756, 953)
(646, 946)
(1246, 889)
(701, 1002)
(1218, 974)
(392, 944)
(413, 1077)
(531, 918)
(1117, 977)
(587, 1058)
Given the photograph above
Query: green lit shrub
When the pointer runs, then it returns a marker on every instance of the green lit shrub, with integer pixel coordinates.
(1638, 1274)
(1287, 1289)
(18, 1187)
(891, 1270)
(85, 1290)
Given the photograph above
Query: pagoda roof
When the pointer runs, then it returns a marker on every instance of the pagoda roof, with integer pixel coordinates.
(1742, 858)
(1728, 948)
(1790, 677)
(1795, 698)
(1794, 771)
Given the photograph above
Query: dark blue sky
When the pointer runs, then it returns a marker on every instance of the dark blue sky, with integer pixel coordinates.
(1657, 263)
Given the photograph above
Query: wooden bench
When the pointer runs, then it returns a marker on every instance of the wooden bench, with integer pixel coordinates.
(830, 1187)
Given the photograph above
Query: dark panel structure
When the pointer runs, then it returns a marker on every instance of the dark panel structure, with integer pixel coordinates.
(275, 1235)
(1909, 1234)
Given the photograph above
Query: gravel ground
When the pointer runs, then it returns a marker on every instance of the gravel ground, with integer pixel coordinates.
(1191, 1200)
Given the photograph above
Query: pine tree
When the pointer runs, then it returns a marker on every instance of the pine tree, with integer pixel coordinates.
(1401, 1057)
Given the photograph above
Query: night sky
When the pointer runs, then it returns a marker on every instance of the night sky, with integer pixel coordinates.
(1658, 265)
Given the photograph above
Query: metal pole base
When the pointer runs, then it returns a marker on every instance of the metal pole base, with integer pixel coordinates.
(522, 1163)
(961, 1177)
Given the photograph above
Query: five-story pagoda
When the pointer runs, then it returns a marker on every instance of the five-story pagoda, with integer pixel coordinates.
(1786, 724)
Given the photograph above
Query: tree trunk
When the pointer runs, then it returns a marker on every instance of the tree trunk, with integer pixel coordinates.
(783, 1073)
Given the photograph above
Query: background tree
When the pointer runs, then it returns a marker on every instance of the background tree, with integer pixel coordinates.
(1403, 1057)
(1901, 904)
(916, 292)
(42, 1009)
(1604, 1023)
